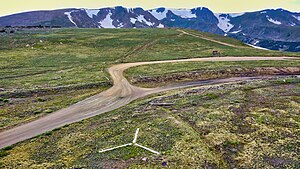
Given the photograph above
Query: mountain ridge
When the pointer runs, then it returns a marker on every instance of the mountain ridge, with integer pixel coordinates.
(275, 29)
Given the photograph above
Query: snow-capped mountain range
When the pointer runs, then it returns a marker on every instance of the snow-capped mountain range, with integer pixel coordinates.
(272, 29)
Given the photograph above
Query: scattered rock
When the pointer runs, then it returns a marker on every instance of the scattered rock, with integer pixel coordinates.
(115, 118)
(164, 164)
(57, 78)
(145, 159)
(134, 115)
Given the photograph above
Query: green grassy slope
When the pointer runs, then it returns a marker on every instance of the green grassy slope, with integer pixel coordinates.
(228, 126)
(63, 60)
(31, 59)
(43, 71)
(66, 56)
(56, 61)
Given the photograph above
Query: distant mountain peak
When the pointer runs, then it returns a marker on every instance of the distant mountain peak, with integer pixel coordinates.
(270, 28)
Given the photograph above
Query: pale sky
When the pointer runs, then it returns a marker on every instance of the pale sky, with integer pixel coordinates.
(225, 6)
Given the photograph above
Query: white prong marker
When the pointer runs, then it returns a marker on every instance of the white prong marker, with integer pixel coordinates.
(109, 149)
(146, 148)
(135, 136)
(130, 144)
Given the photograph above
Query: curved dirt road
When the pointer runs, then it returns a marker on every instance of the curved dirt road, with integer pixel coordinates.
(117, 96)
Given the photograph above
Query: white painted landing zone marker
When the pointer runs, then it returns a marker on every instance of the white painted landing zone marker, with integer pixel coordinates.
(146, 148)
(131, 144)
(109, 149)
(135, 136)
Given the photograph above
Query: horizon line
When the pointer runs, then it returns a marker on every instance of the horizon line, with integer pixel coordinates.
(53, 9)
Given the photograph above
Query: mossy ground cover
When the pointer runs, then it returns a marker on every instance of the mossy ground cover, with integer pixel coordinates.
(65, 56)
(166, 73)
(18, 110)
(244, 125)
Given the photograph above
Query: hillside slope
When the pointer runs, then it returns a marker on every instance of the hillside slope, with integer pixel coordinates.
(42, 71)
(233, 125)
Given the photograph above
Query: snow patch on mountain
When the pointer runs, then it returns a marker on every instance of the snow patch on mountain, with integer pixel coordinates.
(142, 19)
(129, 10)
(273, 21)
(297, 17)
(159, 14)
(70, 17)
(235, 32)
(120, 25)
(236, 14)
(257, 47)
(256, 42)
(183, 13)
(160, 26)
(92, 12)
(224, 22)
(133, 20)
(107, 21)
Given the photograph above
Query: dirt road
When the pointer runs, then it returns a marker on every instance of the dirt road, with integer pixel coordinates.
(117, 96)
(209, 39)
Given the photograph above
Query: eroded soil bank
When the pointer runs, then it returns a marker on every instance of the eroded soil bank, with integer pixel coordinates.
(157, 81)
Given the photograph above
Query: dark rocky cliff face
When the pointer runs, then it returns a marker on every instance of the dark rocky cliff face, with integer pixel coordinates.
(272, 29)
